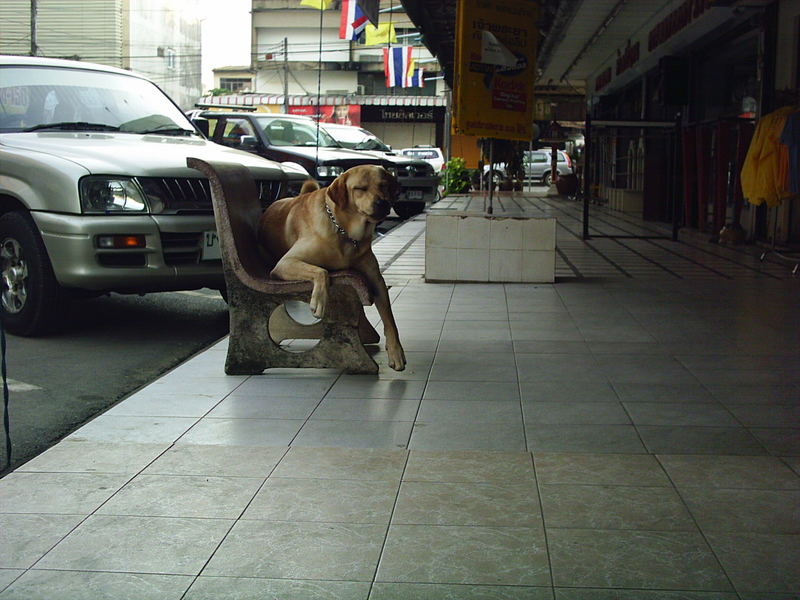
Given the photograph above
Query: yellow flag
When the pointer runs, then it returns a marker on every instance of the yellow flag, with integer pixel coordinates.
(382, 34)
(319, 4)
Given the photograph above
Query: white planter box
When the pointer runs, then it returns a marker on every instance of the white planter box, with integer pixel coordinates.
(489, 248)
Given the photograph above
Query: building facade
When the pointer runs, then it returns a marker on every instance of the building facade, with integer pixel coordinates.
(300, 65)
(159, 39)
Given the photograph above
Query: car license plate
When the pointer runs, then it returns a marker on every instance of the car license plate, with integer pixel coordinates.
(414, 194)
(211, 249)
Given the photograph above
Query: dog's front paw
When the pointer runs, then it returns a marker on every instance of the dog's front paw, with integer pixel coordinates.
(397, 358)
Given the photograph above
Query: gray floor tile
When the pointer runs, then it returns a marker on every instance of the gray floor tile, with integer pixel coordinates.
(699, 440)
(363, 464)
(663, 392)
(574, 413)
(260, 407)
(354, 434)
(772, 415)
(240, 588)
(26, 538)
(618, 594)
(567, 391)
(243, 432)
(779, 441)
(615, 507)
(142, 430)
(633, 559)
(9, 575)
(433, 591)
(183, 496)
(754, 394)
(366, 409)
(759, 562)
(94, 457)
(559, 367)
(472, 390)
(359, 386)
(551, 347)
(324, 500)
(471, 367)
(468, 436)
(45, 585)
(467, 555)
(217, 460)
(738, 510)
(450, 411)
(183, 404)
(600, 469)
(341, 552)
(62, 493)
(675, 414)
(310, 386)
(618, 439)
(644, 369)
(765, 472)
(489, 504)
(469, 466)
(138, 545)
(450, 345)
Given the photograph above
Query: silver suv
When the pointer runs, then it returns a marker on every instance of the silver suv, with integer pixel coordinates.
(538, 167)
(95, 194)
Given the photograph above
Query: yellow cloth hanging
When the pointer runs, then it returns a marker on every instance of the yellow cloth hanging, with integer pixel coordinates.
(318, 4)
(762, 174)
(382, 34)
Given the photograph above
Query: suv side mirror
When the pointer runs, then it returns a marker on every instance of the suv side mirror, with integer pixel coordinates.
(248, 142)
(202, 125)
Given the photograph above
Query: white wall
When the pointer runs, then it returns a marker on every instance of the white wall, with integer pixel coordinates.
(403, 135)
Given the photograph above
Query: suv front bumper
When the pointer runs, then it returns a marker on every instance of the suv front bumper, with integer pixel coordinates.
(172, 258)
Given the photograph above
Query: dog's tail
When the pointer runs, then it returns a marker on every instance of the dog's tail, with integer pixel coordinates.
(309, 185)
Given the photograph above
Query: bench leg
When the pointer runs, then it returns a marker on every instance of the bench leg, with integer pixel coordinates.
(251, 348)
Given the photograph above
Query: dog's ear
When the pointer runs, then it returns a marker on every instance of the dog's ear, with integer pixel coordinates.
(337, 190)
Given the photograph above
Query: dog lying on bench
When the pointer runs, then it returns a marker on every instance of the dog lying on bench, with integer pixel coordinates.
(331, 229)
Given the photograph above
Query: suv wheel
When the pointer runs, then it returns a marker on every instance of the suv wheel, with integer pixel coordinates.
(31, 300)
(406, 210)
(547, 179)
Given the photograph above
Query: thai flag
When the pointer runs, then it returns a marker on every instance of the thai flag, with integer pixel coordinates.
(353, 20)
(415, 78)
(397, 63)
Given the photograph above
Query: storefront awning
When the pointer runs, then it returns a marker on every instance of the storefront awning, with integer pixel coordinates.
(297, 100)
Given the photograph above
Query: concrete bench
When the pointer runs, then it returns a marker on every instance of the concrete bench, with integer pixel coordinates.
(259, 321)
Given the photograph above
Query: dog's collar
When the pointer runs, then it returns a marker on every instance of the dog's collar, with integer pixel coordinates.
(339, 229)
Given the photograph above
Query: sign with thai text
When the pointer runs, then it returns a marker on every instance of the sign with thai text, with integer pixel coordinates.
(495, 68)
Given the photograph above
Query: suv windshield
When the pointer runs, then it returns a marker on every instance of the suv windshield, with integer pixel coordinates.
(295, 132)
(41, 98)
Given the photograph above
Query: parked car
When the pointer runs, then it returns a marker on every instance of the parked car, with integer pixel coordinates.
(432, 154)
(419, 184)
(95, 194)
(537, 165)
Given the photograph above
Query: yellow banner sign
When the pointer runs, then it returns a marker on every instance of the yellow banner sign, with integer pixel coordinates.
(495, 68)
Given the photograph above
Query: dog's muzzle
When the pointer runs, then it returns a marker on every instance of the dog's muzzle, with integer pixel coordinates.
(381, 209)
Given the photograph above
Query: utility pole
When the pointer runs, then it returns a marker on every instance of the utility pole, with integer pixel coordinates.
(34, 48)
(286, 75)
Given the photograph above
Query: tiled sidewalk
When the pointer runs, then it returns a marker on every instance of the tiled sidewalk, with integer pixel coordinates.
(616, 437)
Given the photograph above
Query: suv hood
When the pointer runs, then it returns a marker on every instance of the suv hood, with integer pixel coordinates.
(132, 154)
(333, 155)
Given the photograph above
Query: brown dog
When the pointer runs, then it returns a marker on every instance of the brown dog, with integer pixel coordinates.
(331, 229)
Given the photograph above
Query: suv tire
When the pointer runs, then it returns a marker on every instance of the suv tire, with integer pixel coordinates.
(31, 300)
(547, 179)
(406, 210)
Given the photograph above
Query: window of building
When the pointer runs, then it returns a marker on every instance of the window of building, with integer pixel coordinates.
(235, 84)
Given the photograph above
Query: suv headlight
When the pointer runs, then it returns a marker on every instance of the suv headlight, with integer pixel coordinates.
(102, 195)
(329, 171)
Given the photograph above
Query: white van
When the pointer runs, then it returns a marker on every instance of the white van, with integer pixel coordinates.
(95, 194)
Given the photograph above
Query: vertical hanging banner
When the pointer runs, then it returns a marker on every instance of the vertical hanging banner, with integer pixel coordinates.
(495, 68)
(397, 66)
(353, 21)
(370, 8)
